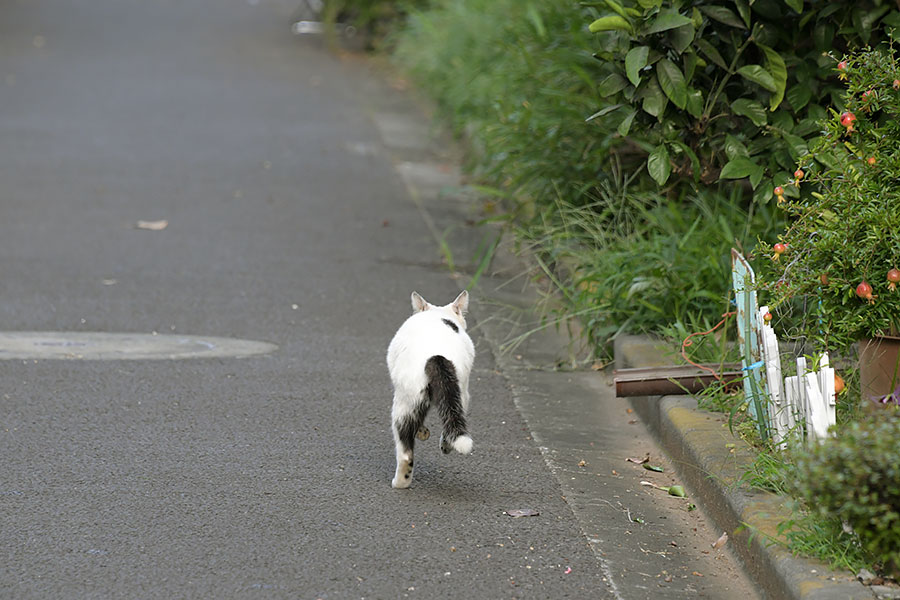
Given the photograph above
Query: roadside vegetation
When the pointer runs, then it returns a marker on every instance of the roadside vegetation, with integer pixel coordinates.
(633, 144)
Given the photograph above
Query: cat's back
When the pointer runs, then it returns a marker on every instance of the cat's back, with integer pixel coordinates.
(426, 334)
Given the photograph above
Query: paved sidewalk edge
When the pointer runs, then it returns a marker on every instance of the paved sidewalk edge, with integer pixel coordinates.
(696, 441)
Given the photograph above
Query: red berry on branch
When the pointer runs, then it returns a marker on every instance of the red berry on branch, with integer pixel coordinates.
(893, 277)
(847, 119)
(864, 291)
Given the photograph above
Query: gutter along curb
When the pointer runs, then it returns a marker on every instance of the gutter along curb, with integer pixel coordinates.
(695, 440)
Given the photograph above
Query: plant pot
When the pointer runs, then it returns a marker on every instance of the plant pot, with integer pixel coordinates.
(879, 366)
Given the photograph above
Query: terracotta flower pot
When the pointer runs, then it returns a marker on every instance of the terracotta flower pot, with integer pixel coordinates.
(879, 366)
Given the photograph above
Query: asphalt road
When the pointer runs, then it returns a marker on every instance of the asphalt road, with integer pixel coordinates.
(287, 222)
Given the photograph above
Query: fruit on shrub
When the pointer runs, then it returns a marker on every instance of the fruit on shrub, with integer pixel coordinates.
(778, 249)
(839, 384)
(767, 317)
(897, 84)
(798, 174)
(779, 193)
(871, 160)
(847, 119)
(864, 291)
(823, 278)
(842, 67)
(893, 277)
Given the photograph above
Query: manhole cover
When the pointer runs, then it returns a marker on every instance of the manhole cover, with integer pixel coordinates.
(122, 346)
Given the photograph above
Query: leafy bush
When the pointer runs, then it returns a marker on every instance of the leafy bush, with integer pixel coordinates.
(713, 90)
(856, 477)
(847, 233)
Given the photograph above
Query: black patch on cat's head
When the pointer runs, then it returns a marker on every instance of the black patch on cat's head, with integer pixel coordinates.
(451, 325)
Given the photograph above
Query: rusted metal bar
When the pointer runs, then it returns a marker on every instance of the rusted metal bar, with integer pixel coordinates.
(666, 381)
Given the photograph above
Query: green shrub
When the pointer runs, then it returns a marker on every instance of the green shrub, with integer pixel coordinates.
(844, 225)
(856, 477)
(715, 90)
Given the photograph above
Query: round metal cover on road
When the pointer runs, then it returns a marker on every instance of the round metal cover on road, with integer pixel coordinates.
(122, 346)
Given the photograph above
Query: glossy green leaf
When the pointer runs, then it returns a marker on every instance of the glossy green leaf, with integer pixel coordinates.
(759, 76)
(604, 111)
(658, 164)
(799, 96)
(796, 146)
(617, 8)
(667, 19)
(610, 23)
(671, 80)
(654, 100)
(743, 10)
(723, 15)
(648, 4)
(795, 5)
(734, 148)
(625, 124)
(681, 37)
(694, 104)
(776, 68)
(738, 168)
(711, 53)
(751, 109)
(611, 84)
(635, 60)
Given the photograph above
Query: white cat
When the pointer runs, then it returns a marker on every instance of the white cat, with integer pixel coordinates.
(430, 359)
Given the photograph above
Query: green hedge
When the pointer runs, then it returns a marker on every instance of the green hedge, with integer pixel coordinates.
(856, 477)
(718, 90)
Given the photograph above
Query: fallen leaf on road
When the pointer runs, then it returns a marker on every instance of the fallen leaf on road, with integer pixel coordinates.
(522, 512)
(568, 570)
(152, 225)
(676, 490)
(697, 574)
(654, 468)
(582, 463)
(639, 461)
(672, 490)
(720, 542)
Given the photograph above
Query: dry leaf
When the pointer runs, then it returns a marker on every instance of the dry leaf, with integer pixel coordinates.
(152, 225)
(639, 461)
(522, 512)
(582, 463)
(720, 542)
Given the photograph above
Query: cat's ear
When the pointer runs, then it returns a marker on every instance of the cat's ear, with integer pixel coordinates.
(418, 302)
(461, 304)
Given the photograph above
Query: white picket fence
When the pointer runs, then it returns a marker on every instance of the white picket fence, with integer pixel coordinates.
(807, 398)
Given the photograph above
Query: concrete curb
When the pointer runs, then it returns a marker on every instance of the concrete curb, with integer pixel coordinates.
(696, 441)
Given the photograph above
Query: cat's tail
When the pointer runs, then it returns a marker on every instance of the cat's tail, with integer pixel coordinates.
(443, 390)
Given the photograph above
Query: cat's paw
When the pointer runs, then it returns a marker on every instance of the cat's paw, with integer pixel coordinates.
(423, 433)
(401, 484)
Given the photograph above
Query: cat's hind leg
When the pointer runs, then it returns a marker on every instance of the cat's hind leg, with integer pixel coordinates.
(406, 428)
